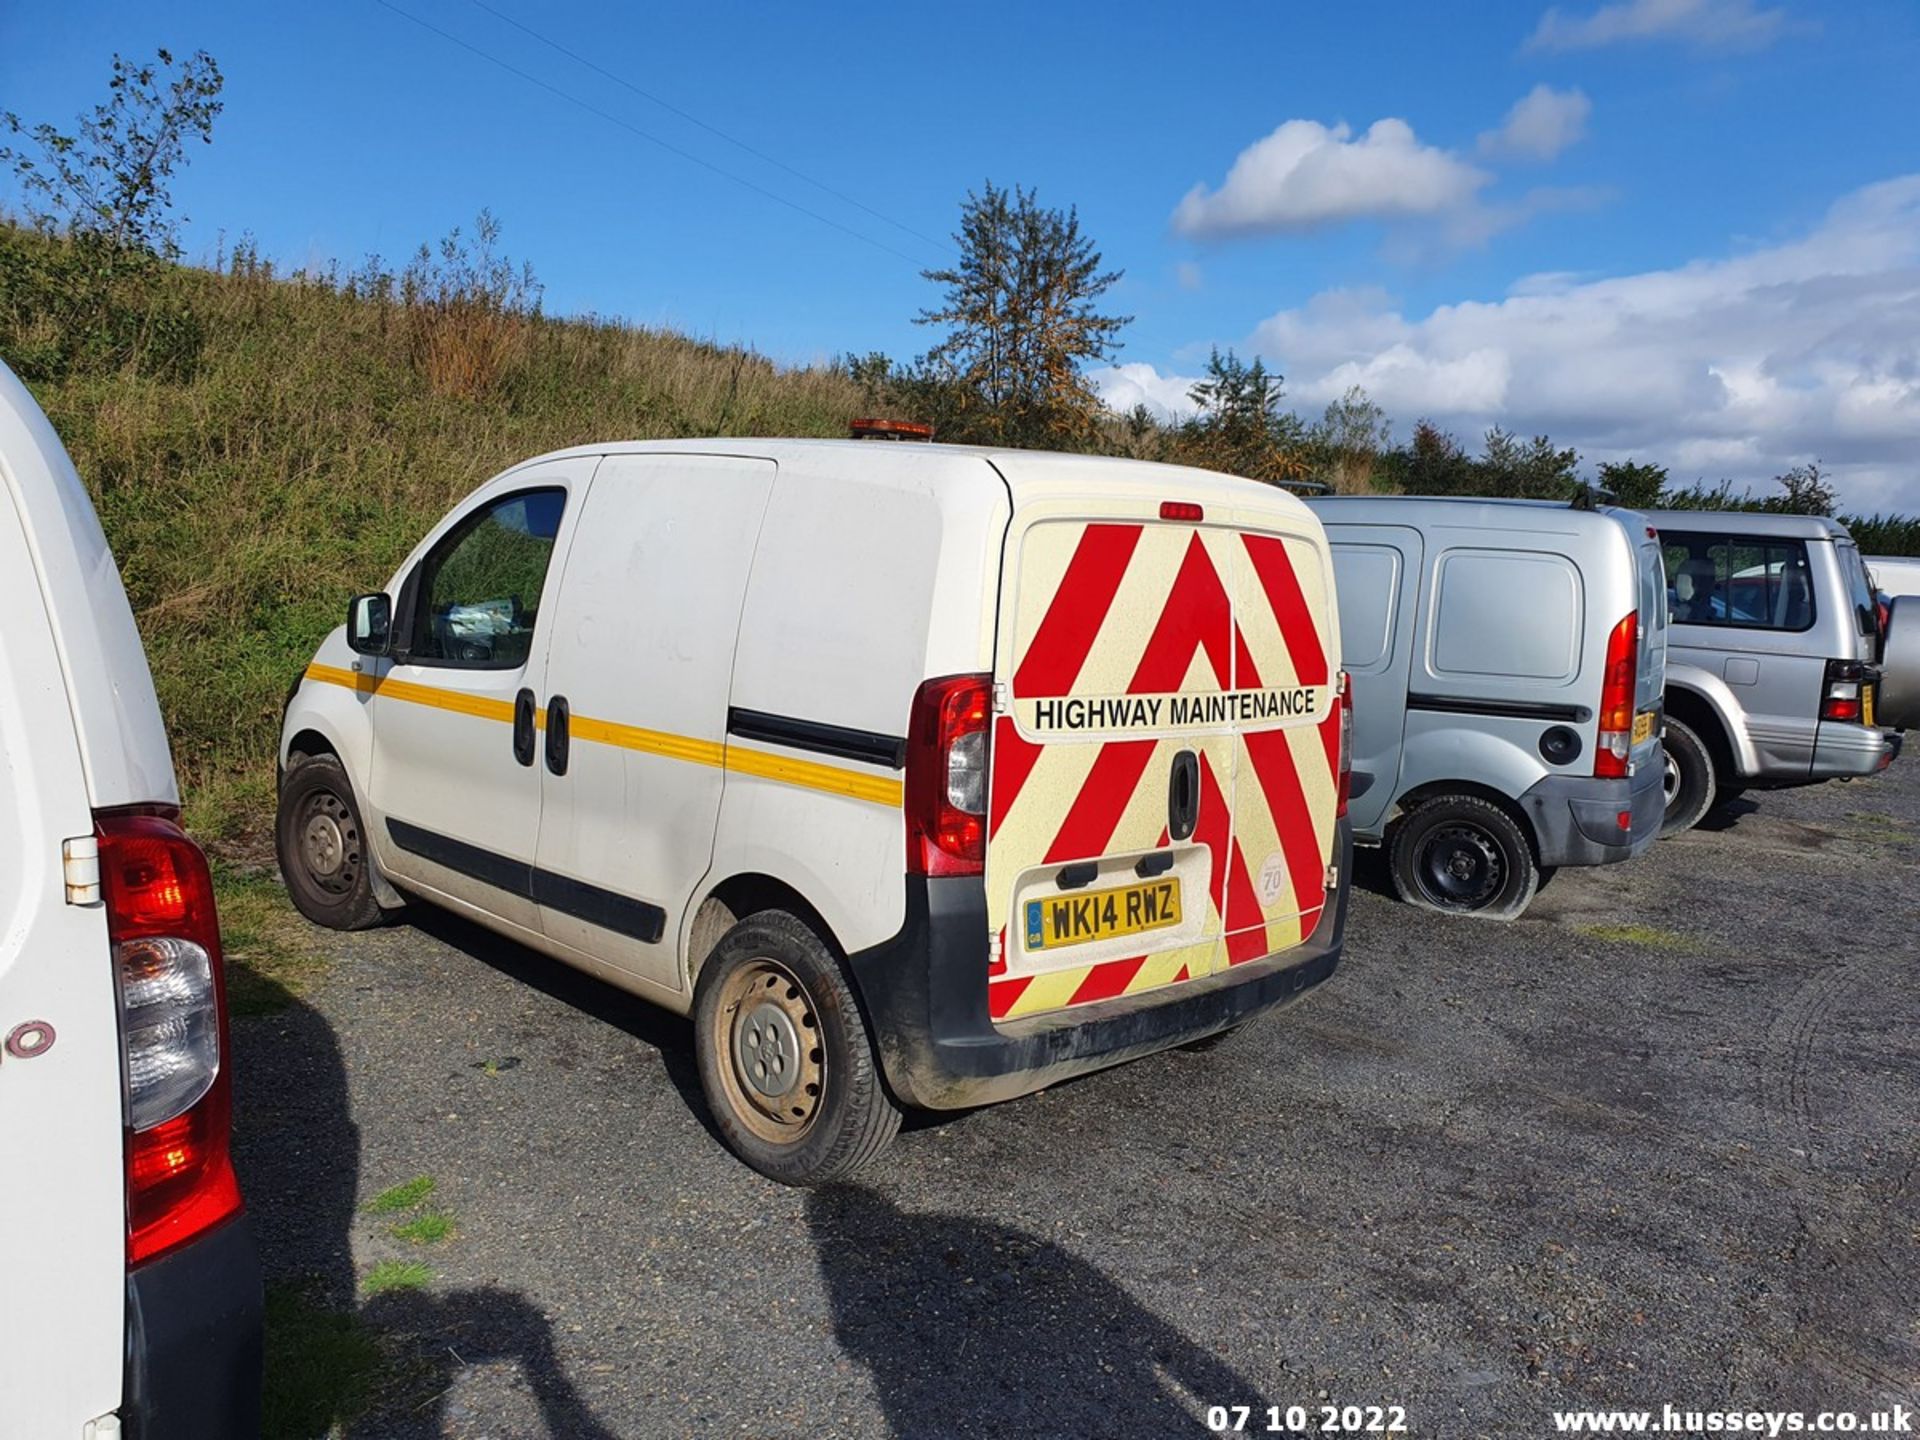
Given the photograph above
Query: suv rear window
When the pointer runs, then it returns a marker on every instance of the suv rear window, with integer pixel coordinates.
(1737, 581)
(1866, 609)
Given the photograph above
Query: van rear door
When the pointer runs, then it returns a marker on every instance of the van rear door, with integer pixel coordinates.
(63, 1240)
(1651, 587)
(1161, 802)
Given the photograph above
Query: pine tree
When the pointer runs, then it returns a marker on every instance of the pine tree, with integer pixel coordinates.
(1020, 307)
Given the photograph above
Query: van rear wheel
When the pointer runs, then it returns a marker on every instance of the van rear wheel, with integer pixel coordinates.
(1689, 779)
(1461, 855)
(785, 1057)
(321, 844)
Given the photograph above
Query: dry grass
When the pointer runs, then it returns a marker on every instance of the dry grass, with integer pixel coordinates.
(323, 425)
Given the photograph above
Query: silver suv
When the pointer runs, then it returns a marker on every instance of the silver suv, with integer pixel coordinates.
(1772, 659)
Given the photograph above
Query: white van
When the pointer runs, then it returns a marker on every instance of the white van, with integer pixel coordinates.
(916, 775)
(132, 1290)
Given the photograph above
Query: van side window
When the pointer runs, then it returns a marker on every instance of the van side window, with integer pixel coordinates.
(1744, 583)
(479, 588)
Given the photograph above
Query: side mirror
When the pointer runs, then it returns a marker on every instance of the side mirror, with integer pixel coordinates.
(369, 623)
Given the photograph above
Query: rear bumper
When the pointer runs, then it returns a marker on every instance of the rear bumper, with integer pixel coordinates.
(1840, 751)
(925, 992)
(194, 1327)
(1576, 818)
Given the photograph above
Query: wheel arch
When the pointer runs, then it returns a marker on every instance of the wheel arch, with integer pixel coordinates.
(1443, 789)
(1701, 701)
(732, 900)
(1695, 711)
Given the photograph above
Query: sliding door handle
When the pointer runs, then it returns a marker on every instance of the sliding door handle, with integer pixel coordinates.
(557, 715)
(523, 727)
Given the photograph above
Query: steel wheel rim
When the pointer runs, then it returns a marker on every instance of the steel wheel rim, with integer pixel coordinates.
(771, 1055)
(329, 842)
(1459, 867)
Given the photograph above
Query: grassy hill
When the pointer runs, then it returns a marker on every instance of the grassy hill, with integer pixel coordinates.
(260, 447)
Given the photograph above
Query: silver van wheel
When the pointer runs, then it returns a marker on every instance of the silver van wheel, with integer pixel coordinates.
(1463, 855)
(1460, 867)
(1670, 780)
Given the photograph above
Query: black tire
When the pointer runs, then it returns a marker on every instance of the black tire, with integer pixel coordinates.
(785, 1057)
(1208, 1043)
(1689, 781)
(1461, 855)
(321, 844)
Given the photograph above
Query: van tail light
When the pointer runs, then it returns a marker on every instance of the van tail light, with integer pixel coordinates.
(1616, 699)
(1343, 698)
(1841, 699)
(177, 1094)
(947, 741)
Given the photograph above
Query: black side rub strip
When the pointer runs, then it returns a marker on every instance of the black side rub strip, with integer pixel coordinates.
(839, 741)
(1508, 709)
(610, 911)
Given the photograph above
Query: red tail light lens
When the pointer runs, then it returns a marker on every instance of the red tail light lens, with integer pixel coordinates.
(173, 1031)
(1616, 700)
(1344, 699)
(1181, 510)
(1841, 699)
(947, 753)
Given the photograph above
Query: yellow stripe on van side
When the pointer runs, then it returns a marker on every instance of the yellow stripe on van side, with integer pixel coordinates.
(807, 774)
(879, 789)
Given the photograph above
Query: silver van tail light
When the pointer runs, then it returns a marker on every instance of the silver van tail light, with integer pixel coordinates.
(173, 1030)
(1617, 682)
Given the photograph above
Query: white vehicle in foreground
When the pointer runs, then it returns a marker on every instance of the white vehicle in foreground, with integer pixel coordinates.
(916, 775)
(132, 1301)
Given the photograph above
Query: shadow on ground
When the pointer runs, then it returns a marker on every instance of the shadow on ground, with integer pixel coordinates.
(387, 1365)
(973, 1329)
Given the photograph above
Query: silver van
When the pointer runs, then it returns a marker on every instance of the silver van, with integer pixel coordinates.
(1776, 647)
(1506, 661)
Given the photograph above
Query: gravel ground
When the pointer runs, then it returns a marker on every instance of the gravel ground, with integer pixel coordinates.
(1485, 1173)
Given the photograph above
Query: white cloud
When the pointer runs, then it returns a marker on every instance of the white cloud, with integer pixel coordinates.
(1705, 24)
(1306, 175)
(1188, 275)
(1137, 383)
(1541, 124)
(1732, 367)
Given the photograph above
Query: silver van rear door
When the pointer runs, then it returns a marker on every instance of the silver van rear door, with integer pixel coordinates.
(1376, 572)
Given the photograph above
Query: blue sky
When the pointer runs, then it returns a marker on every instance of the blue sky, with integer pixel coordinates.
(1697, 238)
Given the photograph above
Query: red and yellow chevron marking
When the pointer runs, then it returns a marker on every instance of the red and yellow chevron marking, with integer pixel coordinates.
(1285, 782)
(1125, 609)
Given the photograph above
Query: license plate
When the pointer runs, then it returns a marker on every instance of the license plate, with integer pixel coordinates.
(1866, 704)
(1061, 920)
(1642, 726)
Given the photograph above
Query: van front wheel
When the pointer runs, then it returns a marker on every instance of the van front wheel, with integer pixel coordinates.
(1461, 855)
(321, 844)
(1689, 778)
(784, 1055)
